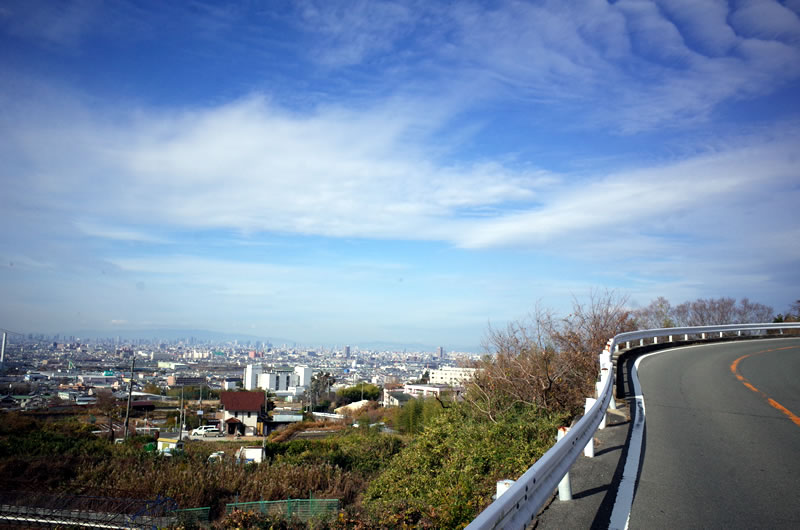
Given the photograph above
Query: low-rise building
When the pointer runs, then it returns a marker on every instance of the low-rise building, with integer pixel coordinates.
(451, 375)
(395, 398)
(243, 412)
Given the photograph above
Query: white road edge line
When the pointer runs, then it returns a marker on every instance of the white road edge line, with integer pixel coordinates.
(621, 514)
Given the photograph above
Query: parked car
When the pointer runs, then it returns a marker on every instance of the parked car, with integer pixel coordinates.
(216, 456)
(207, 430)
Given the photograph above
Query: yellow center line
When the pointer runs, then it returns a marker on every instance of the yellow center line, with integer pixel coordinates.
(745, 382)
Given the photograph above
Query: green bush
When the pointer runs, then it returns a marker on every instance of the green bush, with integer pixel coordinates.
(449, 471)
(415, 413)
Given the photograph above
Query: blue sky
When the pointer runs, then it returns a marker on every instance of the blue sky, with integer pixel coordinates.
(344, 172)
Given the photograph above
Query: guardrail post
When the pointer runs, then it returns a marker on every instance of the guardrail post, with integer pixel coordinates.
(641, 342)
(655, 339)
(686, 337)
(628, 345)
(564, 487)
(703, 336)
(504, 485)
(670, 338)
(720, 334)
(588, 451)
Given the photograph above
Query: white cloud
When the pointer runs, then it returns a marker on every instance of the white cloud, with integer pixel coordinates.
(616, 210)
(703, 23)
(766, 20)
(351, 33)
(52, 24)
(249, 166)
(117, 233)
(632, 65)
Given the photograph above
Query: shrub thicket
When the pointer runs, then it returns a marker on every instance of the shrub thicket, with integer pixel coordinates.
(448, 473)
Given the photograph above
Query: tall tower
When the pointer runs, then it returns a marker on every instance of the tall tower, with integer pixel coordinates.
(347, 351)
(441, 353)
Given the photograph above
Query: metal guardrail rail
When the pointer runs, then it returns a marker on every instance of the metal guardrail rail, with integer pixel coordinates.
(515, 508)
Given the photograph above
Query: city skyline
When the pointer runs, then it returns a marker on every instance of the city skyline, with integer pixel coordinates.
(405, 172)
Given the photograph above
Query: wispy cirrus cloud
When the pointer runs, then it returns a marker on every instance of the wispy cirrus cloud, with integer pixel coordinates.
(251, 167)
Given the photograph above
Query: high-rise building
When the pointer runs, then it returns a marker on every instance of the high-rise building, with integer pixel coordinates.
(251, 373)
(441, 352)
(347, 351)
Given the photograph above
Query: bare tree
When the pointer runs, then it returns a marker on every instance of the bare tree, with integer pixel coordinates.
(659, 314)
(587, 329)
(547, 362)
(748, 311)
(702, 312)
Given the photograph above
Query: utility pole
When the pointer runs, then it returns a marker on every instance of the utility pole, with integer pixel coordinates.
(264, 419)
(130, 396)
(180, 418)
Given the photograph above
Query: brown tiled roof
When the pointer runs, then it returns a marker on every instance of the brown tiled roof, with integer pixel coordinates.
(242, 401)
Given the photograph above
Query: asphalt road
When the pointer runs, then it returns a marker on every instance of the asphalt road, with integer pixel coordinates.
(716, 453)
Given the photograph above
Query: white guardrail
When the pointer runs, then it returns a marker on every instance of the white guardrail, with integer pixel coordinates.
(515, 508)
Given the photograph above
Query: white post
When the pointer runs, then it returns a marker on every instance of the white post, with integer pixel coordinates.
(703, 336)
(641, 342)
(504, 485)
(655, 340)
(612, 403)
(616, 348)
(628, 345)
(720, 334)
(588, 451)
(686, 337)
(739, 333)
(564, 487)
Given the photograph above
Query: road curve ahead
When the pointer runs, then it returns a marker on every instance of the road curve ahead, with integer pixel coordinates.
(722, 437)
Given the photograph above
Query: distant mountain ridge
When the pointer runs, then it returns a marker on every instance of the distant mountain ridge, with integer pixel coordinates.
(203, 335)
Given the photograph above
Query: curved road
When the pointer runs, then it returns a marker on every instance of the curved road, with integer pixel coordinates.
(717, 453)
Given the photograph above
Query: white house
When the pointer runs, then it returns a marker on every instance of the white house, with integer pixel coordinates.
(243, 412)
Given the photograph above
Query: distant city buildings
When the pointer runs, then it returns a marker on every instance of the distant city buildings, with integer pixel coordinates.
(71, 371)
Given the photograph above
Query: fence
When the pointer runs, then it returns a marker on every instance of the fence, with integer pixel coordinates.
(197, 516)
(303, 509)
(523, 500)
(41, 507)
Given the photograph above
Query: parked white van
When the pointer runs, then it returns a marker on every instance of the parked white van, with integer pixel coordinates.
(207, 430)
